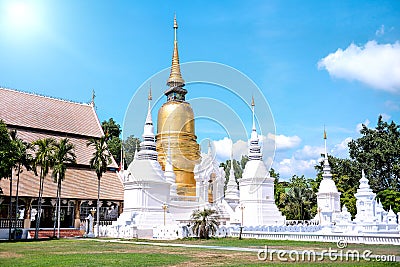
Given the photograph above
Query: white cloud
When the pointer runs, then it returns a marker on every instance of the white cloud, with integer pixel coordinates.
(281, 142)
(223, 149)
(288, 167)
(341, 150)
(392, 105)
(284, 142)
(309, 152)
(377, 65)
(380, 31)
(360, 125)
(385, 117)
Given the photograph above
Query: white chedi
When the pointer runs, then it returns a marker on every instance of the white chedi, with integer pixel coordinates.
(257, 203)
(328, 196)
(145, 187)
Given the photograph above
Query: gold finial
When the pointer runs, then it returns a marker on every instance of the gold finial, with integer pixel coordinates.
(324, 133)
(175, 77)
(150, 96)
(252, 101)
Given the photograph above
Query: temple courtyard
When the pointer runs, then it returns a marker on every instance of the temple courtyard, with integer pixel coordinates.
(187, 252)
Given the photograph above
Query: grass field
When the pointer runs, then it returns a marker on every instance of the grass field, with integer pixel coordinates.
(86, 252)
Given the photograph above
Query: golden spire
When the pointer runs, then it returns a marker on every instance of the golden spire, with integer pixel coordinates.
(252, 101)
(150, 97)
(175, 77)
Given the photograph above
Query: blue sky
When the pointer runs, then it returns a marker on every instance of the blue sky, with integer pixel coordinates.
(332, 63)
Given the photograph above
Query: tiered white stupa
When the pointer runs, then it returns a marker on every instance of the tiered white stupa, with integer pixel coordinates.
(146, 190)
(257, 203)
(328, 197)
(232, 191)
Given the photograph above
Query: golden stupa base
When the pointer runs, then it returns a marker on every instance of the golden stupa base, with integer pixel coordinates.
(185, 190)
(185, 183)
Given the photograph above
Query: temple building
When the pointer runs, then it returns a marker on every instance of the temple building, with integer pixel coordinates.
(36, 117)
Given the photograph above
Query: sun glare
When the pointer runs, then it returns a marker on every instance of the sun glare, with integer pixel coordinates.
(22, 15)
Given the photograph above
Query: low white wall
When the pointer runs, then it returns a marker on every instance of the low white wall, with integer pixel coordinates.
(323, 237)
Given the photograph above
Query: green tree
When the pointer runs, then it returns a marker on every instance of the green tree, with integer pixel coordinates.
(6, 148)
(7, 161)
(111, 128)
(131, 144)
(300, 200)
(377, 152)
(279, 192)
(389, 199)
(114, 146)
(112, 132)
(44, 157)
(99, 162)
(22, 158)
(204, 223)
(64, 155)
(238, 168)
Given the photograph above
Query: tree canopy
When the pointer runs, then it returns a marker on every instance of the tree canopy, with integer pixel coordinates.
(377, 151)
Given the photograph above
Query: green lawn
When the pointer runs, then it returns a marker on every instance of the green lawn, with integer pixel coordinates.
(86, 252)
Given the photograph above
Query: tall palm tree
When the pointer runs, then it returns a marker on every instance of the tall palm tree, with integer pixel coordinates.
(22, 159)
(204, 222)
(299, 200)
(99, 162)
(64, 155)
(44, 158)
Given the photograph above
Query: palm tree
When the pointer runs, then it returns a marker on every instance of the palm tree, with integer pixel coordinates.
(43, 158)
(299, 200)
(204, 222)
(63, 155)
(22, 159)
(99, 162)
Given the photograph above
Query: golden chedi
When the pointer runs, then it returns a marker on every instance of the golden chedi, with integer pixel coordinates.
(175, 128)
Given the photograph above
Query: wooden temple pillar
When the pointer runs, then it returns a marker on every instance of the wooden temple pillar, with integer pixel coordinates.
(27, 213)
(77, 212)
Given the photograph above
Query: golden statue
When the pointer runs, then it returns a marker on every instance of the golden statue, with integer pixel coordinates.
(175, 125)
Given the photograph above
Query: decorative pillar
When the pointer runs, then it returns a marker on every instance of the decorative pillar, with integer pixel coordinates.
(77, 212)
(27, 214)
(120, 208)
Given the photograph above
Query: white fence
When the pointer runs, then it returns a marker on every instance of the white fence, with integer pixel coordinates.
(322, 237)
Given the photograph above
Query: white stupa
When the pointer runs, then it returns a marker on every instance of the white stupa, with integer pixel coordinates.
(146, 191)
(257, 203)
(365, 202)
(232, 191)
(328, 197)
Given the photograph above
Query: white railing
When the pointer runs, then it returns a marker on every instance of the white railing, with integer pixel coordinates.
(5, 223)
(349, 238)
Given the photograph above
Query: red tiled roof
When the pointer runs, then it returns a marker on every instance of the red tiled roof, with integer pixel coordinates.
(78, 184)
(82, 151)
(46, 113)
